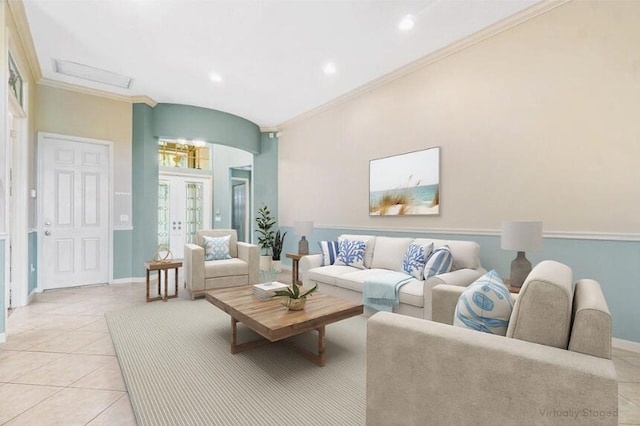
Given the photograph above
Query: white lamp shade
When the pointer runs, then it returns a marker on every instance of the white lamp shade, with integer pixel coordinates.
(521, 236)
(303, 228)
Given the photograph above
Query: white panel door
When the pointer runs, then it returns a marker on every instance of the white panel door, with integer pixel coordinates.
(74, 218)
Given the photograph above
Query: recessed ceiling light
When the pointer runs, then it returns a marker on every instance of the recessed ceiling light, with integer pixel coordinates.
(407, 23)
(215, 77)
(329, 68)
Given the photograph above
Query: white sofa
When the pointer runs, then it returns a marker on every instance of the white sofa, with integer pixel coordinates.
(384, 254)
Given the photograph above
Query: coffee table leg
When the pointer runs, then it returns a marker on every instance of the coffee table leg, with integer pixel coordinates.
(234, 322)
(321, 357)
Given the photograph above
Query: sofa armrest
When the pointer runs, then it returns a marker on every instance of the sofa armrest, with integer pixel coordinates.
(442, 374)
(445, 299)
(193, 265)
(308, 262)
(460, 277)
(250, 254)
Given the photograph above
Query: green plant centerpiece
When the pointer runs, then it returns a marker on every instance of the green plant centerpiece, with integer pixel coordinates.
(295, 299)
(266, 236)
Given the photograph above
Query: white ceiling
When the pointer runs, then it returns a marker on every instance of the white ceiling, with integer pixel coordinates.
(269, 53)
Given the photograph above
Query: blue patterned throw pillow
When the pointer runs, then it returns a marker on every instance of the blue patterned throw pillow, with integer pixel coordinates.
(439, 262)
(485, 305)
(329, 251)
(415, 259)
(216, 248)
(351, 253)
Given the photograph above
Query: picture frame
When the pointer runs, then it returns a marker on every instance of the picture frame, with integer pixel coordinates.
(406, 184)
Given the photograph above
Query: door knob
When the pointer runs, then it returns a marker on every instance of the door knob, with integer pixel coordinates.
(47, 232)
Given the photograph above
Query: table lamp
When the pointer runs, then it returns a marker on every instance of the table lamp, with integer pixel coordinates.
(521, 237)
(303, 228)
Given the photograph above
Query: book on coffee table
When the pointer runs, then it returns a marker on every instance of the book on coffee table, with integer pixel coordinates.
(266, 291)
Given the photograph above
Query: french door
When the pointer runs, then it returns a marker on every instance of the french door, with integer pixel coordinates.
(73, 226)
(184, 206)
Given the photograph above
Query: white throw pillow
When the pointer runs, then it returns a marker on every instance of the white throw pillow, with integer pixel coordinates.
(485, 305)
(439, 262)
(351, 253)
(216, 248)
(415, 259)
(329, 252)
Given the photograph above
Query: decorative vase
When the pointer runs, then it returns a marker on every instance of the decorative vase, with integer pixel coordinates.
(265, 263)
(296, 304)
(276, 265)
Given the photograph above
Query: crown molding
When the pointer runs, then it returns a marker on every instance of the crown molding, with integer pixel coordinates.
(469, 41)
(97, 92)
(267, 129)
(16, 9)
(143, 99)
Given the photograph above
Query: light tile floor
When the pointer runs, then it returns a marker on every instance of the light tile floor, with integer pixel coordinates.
(58, 366)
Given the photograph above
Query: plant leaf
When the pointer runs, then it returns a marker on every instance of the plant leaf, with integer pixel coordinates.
(310, 291)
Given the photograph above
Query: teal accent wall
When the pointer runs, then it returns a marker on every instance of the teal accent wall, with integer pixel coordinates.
(190, 122)
(265, 177)
(174, 121)
(614, 264)
(2, 285)
(122, 255)
(33, 261)
(144, 190)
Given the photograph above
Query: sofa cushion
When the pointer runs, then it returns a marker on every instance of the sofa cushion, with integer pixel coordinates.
(542, 312)
(329, 251)
(351, 253)
(225, 268)
(371, 244)
(216, 248)
(485, 305)
(466, 254)
(439, 262)
(389, 252)
(328, 274)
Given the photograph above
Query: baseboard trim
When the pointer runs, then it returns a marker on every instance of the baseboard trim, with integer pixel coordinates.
(3, 337)
(129, 280)
(626, 345)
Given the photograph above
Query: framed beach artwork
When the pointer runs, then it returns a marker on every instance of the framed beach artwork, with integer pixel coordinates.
(406, 184)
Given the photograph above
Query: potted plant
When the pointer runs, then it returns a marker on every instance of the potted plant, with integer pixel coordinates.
(266, 236)
(276, 248)
(295, 300)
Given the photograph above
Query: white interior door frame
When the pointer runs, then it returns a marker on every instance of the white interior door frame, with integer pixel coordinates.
(109, 200)
(18, 283)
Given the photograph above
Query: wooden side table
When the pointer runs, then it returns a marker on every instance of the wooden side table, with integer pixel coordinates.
(162, 266)
(514, 290)
(295, 258)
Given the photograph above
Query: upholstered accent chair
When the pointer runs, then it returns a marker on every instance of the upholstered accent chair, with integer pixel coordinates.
(241, 268)
(553, 367)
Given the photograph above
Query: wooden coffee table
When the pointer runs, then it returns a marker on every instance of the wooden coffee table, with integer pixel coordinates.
(274, 322)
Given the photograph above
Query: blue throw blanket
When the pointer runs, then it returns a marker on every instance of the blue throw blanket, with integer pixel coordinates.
(381, 292)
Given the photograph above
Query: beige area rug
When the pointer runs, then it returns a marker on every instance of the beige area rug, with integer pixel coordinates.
(176, 361)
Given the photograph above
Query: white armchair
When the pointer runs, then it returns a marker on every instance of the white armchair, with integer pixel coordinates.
(199, 275)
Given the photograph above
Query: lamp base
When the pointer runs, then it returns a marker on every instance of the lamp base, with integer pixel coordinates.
(303, 246)
(520, 268)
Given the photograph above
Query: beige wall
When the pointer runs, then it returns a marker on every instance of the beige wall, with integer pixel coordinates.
(77, 114)
(538, 122)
